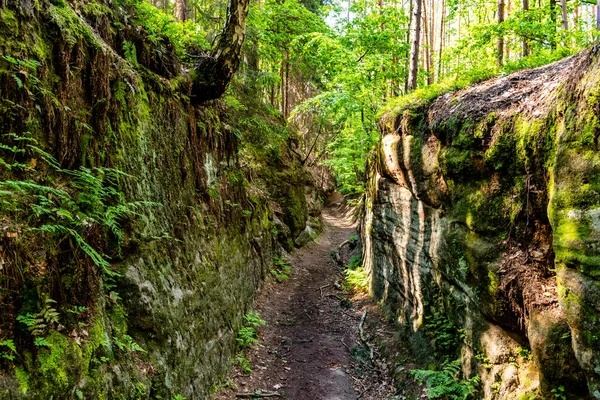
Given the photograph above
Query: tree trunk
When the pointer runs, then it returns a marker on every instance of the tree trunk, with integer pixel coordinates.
(182, 10)
(553, 20)
(426, 42)
(442, 30)
(525, 43)
(414, 47)
(565, 20)
(213, 72)
(598, 15)
(501, 38)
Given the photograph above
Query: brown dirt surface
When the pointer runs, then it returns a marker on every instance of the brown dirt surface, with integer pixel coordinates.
(311, 348)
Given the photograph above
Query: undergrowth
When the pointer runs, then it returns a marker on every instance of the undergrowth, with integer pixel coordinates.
(76, 206)
(446, 382)
(246, 337)
(356, 277)
(281, 269)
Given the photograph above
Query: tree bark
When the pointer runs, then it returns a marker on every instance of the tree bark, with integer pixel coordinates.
(213, 72)
(442, 31)
(182, 10)
(500, 60)
(525, 44)
(414, 47)
(553, 19)
(565, 20)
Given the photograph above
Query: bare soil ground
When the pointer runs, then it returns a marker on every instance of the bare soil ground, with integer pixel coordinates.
(311, 348)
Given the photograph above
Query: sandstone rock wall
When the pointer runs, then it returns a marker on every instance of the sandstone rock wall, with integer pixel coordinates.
(481, 233)
(190, 266)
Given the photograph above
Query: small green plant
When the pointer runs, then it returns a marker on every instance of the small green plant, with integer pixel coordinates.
(559, 393)
(281, 269)
(130, 52)
(69, 207)
(525, 353)
(253, 319)
(8, 350)
(126, 343)
(38, 323)
(41, 342)
(357, 279)
(244, 364)
(247, 335)
(229, 384)
(445, 383)
(483, 360)
(77, 310)
(178, 397)
(354, 262)
(443, 333)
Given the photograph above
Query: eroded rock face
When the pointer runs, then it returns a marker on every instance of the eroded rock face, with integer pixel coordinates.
(481, 228)
(191, 265)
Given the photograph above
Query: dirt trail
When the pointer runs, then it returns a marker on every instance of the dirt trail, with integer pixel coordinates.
(305, 350)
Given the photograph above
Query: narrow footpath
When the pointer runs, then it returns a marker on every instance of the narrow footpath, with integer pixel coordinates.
(311, 348)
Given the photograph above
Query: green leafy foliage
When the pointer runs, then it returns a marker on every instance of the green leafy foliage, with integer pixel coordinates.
(126, 343)
(445, 383)
(358, 279)
(559, 393)
(72, 206)
(443, 333)
(38, 323)
(41, 342)
(247, 334)
(244, 364)
(281, 270)
(8, 350)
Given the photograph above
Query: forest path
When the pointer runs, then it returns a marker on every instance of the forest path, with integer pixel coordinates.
(306, 350)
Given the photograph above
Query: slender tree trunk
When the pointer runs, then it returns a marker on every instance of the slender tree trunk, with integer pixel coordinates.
(426, 42)
(500, 60)
(525, 44)
(442, 30)
(182, 10)
(553, 20)
(213, 72)
(407, 64)
(565, 19)
(507, 43)
(287, 88)
(282, 77)
(414, 47)
(431, 49)
(598, 15)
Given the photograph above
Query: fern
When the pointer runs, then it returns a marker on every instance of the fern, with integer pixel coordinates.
(11, 351)
(38, 323)
(445, 383)
(89, 198)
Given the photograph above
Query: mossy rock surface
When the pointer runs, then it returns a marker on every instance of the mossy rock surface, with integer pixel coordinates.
(190, 265)
(480, 197)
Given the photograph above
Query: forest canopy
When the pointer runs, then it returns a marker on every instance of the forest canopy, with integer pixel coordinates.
(330, 68)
